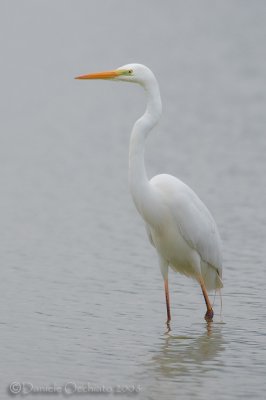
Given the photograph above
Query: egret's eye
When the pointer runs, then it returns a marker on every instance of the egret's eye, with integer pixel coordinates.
(130, 71)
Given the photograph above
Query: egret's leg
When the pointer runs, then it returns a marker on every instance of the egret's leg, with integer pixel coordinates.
(167, 300)
(209, 313)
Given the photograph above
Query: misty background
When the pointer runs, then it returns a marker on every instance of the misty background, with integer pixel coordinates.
(82, 295)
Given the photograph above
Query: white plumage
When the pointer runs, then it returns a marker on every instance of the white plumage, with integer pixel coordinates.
(190, 242)
(178, 223)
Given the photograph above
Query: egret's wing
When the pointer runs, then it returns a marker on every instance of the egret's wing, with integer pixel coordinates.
(192, 217)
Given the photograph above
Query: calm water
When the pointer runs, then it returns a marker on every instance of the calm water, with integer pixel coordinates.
(82, 295)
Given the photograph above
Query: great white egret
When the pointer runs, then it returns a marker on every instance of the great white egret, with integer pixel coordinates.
(178, 224)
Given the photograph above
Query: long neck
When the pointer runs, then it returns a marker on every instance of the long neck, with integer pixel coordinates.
(138, 181)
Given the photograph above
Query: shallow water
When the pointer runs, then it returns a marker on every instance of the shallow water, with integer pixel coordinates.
(82, 295)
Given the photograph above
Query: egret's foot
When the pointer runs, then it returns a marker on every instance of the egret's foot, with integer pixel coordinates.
(168, 326)
(209, 315)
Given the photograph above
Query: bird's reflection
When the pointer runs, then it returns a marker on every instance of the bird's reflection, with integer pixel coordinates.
(179, 355)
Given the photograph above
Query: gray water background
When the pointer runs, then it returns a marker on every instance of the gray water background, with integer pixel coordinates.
(81, 293)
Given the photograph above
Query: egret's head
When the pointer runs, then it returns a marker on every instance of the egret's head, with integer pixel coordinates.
(136, 73)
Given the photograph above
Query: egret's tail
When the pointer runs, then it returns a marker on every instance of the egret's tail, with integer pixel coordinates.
(221, 302)
(211, 277)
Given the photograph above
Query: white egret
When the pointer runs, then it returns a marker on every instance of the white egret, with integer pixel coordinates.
(178, 224)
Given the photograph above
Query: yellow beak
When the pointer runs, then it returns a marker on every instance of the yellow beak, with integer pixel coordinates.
(101, 75)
